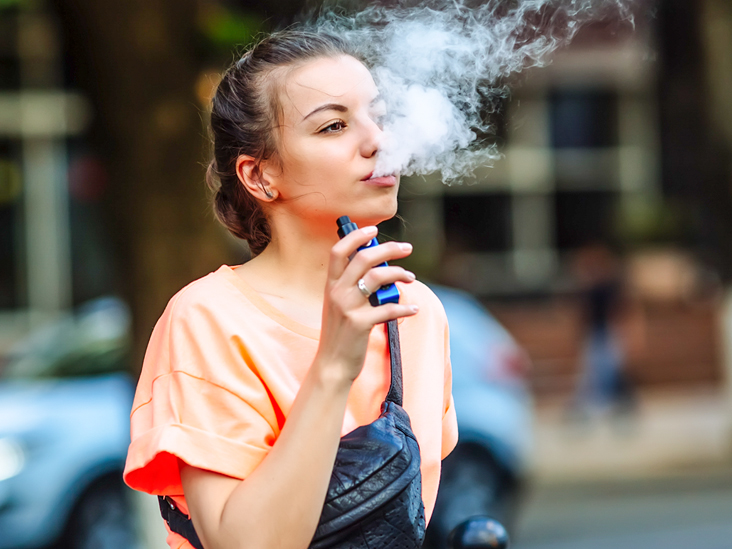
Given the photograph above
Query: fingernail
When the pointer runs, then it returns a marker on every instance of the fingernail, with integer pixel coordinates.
(411, 275)
(370, 230)
(414, 308)
(405, 247)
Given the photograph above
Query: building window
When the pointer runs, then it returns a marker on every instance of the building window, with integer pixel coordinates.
(583, 118)
(9, 62)
(583, 217)
(481, 223)
(11, 228)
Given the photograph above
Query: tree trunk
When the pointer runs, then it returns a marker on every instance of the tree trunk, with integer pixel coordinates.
(138, 64)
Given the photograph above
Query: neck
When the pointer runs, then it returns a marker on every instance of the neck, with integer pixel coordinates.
(295, 263)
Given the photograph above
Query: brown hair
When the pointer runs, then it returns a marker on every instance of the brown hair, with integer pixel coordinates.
(244, 116)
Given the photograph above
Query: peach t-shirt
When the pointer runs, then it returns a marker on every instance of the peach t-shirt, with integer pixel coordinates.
(222, 370)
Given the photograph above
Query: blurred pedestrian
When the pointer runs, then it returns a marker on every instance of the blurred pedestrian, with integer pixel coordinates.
(603, 384)
(254, 372)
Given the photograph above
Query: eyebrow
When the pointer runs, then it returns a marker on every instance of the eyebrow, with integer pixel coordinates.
(328, 107)
(337, 107)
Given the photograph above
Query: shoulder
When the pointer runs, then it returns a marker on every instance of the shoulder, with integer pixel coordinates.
(203, 300)
(203, 293)
(195, 332)
(420, 294)
(198, 312)
(429, 326)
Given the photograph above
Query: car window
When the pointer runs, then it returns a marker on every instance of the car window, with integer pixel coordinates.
(93, 340)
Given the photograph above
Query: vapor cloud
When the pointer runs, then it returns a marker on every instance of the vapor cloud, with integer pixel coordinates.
(440, 66)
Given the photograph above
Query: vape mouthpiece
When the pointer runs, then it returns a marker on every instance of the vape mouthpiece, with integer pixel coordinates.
(345, 226)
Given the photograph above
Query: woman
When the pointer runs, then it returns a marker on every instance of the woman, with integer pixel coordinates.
(289, 334)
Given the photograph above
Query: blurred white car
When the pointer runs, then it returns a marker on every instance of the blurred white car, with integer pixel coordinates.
(486, 471)
(64, 431)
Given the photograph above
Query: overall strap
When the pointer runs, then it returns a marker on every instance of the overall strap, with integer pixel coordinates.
(395, 353)
(178, 522)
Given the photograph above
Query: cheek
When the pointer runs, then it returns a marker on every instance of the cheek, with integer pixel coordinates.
(320, 158)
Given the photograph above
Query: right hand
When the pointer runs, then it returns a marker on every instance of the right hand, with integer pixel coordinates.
(348, 317)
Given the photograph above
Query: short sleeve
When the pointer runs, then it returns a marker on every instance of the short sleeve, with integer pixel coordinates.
(449, 418)
(188, 408)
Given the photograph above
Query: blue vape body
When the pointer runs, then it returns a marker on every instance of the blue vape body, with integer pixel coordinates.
(385, 294)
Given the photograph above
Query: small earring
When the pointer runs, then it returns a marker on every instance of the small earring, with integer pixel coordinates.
(268, 193)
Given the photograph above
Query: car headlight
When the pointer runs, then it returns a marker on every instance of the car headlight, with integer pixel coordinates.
(12, 458)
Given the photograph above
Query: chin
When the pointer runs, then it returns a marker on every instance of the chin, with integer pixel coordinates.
(375, 216)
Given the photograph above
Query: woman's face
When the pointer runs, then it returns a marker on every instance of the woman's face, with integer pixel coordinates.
(327, 145)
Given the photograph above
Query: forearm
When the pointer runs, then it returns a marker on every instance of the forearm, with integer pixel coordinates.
(280, 502)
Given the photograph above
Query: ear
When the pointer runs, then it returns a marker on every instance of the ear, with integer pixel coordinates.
(252, 175)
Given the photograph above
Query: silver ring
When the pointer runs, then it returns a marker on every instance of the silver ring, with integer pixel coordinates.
(364, 290)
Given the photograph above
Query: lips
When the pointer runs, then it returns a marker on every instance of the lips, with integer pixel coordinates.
(381, 181)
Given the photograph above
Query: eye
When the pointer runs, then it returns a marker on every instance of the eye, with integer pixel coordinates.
(335, 127)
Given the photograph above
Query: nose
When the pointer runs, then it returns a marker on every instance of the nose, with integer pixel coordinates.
(372, 136)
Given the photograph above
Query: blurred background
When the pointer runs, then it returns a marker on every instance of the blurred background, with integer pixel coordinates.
(587, 275)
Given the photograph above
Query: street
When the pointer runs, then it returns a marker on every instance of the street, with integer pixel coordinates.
(682, 511)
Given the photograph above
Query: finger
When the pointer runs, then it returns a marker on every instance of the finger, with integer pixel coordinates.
(346, 247)
(381, 276)
(368, 258)
(390, 311)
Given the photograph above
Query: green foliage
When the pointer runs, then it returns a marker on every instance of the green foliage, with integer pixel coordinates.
(10, 3)
(227, 28)
(646, 220)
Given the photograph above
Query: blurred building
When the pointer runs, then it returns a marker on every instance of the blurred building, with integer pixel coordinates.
(40, 119)
(101, 146)
(611, 143)
(624, 138)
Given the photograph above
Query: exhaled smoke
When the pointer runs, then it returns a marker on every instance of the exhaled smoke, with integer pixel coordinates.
(440, 65)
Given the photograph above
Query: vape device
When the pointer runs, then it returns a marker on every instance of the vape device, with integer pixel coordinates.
(385, 294)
